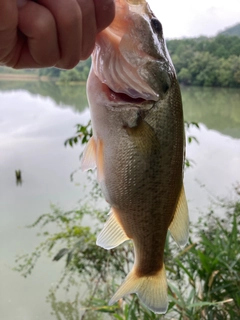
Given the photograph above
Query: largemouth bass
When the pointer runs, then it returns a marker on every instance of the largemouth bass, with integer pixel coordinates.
(138, 146)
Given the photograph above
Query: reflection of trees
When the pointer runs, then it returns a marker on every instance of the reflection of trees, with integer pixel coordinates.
(63, 95)
(218, 109)
(67, 310)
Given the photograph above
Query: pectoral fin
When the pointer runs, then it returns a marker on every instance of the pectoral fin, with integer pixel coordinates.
(112, 233)
(93, 157)
(89, 156)
(144, 138)
(179, 226)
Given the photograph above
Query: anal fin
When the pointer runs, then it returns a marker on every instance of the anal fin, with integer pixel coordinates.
(179, 226)
(112, 233)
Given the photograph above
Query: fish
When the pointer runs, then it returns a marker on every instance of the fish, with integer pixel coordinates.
(138, 147)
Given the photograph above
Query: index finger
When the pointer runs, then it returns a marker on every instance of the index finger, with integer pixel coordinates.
(8, 15)
(8, 26)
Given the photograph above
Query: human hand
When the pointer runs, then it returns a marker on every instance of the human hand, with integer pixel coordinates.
(46, 33)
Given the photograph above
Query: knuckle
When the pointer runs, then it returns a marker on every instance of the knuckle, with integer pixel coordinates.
(67, 64)
(71, 18)
(42, 27)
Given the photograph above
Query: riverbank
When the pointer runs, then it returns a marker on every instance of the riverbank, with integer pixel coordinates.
(23, 77)
(34, 77)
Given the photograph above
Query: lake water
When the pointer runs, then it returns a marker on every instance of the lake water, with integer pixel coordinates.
(35, 120)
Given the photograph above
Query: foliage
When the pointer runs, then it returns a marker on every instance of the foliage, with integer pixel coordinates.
(212, 266)
(69, 310)
(232, 31)
(79, 73)
(204, 278)
(198, 61)
(82, 135)
(49, 72)
(8, 70)
(207, 61)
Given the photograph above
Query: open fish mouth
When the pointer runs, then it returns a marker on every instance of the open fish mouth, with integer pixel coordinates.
(118, 96)
(123, 80)
(130, 57)
(119, 58)
(121, 100)
(115, 101)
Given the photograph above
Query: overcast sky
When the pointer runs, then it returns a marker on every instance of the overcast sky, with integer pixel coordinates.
(188, 18)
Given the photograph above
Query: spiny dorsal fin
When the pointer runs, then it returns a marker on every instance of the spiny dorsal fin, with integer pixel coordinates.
(89, 156)
(179, 226)
(152, 290)
(112, 233)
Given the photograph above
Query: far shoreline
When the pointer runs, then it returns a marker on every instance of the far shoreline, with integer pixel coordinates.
(23, 77)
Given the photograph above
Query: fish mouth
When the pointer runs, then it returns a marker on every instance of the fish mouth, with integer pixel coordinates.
(125, 98)
(119, 60)
(102, 94)
(130, 56)
(124, 81)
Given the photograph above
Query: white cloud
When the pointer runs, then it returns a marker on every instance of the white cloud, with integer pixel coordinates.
(189, 18)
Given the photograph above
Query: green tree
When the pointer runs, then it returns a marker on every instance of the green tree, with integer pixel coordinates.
(185, 76)
(207, 61)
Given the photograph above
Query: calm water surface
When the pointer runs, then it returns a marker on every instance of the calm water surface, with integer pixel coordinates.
(35, 120)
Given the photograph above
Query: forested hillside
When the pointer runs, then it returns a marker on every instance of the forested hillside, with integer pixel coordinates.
(207, 61)
(232, 31)
(198, 61)
(79, 73)
(201, 62)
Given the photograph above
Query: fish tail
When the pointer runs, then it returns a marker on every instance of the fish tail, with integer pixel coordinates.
(152, 290)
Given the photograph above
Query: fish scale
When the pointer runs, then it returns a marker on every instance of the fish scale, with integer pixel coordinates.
(138, 146)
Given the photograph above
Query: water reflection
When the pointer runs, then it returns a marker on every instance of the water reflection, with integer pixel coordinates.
(33, 129)
(216, 108)
(35, 120)
(65, 310)
(63, 95)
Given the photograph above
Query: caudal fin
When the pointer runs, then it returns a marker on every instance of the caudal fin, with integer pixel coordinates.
(152, 290)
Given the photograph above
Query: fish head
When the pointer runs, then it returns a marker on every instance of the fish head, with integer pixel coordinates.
(131, 57)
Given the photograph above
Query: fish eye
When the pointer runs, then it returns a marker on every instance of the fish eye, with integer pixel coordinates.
(156, 25)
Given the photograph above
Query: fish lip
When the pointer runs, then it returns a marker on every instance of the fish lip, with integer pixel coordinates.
(122, 100)
(120, 96)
